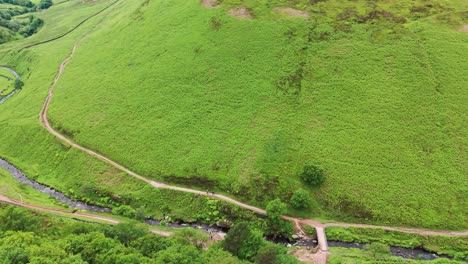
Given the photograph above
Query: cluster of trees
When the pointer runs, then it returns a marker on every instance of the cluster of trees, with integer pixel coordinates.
(247, 243)
(312, 175)
(25, 3)
(27, 237)
(43, 4)
(24, 26)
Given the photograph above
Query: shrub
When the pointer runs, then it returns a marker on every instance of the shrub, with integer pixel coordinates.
(312, 175)
(378, 249)
(243, 241)
(18, 84)
(300, 199)
(44, 4)
(124, 210)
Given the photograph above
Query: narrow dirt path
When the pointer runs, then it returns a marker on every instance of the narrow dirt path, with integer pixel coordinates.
(87, 216)
(314, 223)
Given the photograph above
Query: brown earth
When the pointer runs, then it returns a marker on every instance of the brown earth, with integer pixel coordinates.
(209, 3)
(464, 28)
(240, 12)
(291, 12)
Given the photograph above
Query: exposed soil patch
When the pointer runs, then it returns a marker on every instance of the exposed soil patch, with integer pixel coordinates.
(464, 29)
(291, 12)
(240, 12)
(209, 3)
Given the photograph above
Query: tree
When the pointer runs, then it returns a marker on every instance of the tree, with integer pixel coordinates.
(44, 4)
(124, 210)
(125, 232)
(178, 254)
(18, 84)
(17, 219)
(312, 175)
(274, 254)
(150, 245)
(243, 241)
(300, 199)
(216, 255)
(275, 210)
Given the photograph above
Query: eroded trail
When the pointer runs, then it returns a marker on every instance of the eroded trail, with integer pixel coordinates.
(314, 223)
(76, 214)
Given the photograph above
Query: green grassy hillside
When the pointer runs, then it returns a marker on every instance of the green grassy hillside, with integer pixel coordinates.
(374, 92)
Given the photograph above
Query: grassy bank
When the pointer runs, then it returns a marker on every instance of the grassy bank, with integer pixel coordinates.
(452, 246)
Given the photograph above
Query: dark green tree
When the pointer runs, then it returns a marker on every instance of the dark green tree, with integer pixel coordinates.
(44, 4)
(125, 232)
(312, 175)
(300, 199)
(277, 225)
(17, 219)
(243, 241)
(274, 254)
(18, 84)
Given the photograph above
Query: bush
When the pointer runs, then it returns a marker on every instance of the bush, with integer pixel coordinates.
(16, 219)
(124, 210)
(300, 199)
(243, 241)
(44, 4)
(18, 84)
(312, 175)
(378, 249)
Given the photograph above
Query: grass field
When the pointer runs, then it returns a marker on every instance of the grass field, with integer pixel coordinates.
(344, 255)
(379, 107)
(194, 96)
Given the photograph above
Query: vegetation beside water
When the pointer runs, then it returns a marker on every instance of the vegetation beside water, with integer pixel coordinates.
(452, 246)
(344, 255)
(31, 237)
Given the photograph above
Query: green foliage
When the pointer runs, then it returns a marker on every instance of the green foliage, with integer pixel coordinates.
(300, 199)
(150, 245)
(312, 175)
(439, 244)
(18, 84)
(44, 4)
(125, 232)
(124, 210)
(342, 255)
(378, 249)
(15, 219)
(274, 254)
(276, 225)
(243, 241)
(62, 240)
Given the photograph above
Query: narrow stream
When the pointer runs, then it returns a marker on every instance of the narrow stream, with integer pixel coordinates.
(6, 97)
(21, 177)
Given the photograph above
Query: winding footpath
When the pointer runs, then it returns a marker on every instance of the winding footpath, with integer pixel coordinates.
(74, 214)
(320, 227)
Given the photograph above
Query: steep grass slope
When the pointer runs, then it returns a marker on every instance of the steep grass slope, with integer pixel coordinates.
(195, 96)
(32, 149)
